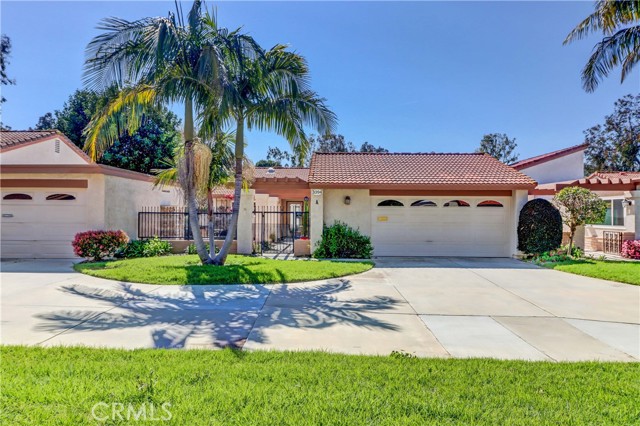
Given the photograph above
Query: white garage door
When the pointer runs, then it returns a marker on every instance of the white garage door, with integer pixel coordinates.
(438, 226)
(41, 223)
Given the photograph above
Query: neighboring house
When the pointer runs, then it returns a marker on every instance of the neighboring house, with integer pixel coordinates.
(51, 190)
(421, 204)
(554, 166)
(559, 169)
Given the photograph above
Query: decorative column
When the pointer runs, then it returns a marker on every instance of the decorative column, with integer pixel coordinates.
(316, 217)
(245, 222)
(520, 198)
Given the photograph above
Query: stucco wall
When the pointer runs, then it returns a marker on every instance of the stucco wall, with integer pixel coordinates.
(564, 168)
(357, 214)
(124, 198)
(43, 153)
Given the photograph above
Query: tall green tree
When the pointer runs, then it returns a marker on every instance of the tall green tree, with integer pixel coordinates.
(140, 151)
(499, 146)
(269, 92)
(163, 60)
(617, 21)
(5, 52)
(615, 144)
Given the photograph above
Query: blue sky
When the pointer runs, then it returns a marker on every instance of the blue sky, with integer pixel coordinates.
(410, 76)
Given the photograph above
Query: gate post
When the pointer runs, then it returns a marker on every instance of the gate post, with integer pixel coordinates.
(245, 222)
(316, 218)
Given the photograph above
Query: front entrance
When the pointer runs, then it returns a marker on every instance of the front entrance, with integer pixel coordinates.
(275, 231)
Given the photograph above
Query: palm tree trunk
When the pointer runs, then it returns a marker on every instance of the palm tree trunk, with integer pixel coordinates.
(221, 257)
(192, 203)
(212, 239)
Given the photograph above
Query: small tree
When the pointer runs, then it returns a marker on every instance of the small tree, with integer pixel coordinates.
(579, 206)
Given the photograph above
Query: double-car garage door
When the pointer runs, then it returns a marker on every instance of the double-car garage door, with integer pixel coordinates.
(41, 223)
(440, 226)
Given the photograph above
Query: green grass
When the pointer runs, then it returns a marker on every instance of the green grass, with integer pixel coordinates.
(185, 269)
(59, 386)
(620, 271)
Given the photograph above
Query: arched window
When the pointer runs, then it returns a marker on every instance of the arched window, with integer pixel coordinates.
(17, 197)
(424, 203)
(390, 203)
(457, 203)
(60, 197)
(489, 203)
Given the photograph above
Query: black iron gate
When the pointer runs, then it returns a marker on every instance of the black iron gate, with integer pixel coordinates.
(275, 231)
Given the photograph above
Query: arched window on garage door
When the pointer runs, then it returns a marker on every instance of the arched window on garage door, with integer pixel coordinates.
(424, 203)
(390, 203)
(17, 196)
(489, 203)
(60, 197)
(456, 203)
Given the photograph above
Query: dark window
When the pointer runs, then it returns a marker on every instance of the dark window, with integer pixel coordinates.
(424, 203)
(456, 203)
(17, 197)
(390, 203)
(490, 203)
(614, 215)
(60, 197)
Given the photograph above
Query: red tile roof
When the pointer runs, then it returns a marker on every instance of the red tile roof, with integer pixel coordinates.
(418, 170)
(533, 161)
(612, 177)
(18, 137)
(291, 173)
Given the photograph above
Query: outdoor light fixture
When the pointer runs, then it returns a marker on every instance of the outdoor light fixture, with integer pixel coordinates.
(627, 203)
(347, 200)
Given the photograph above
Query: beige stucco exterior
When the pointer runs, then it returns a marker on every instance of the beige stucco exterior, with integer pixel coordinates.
(52, 151)
(568, 167)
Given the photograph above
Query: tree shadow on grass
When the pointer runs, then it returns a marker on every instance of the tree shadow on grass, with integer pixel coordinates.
(206, 316)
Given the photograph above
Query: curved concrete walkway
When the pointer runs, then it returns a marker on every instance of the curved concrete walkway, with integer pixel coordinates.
(437, 307)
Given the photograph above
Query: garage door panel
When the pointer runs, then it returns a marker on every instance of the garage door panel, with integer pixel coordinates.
(41, 228)
(440, 231)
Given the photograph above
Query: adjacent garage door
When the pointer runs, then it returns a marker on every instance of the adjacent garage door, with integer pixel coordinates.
(41, 224)
(437, 226)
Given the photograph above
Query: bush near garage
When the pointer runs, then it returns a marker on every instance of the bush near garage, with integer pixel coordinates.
(145, 248)
(340, 241)
(97, 245)
(631, 249)
(539, 227)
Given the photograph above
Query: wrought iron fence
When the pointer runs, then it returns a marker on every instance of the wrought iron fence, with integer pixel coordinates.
(275, 231)
(172, 223)
(612, 242)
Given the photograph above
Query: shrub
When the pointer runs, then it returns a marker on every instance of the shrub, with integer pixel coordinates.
(631, 249)
(97, 245)
(145, 248)
(342, 241)
(191, 249)
(539, 227)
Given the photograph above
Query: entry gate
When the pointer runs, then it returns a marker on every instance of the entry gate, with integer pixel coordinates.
(275, 231)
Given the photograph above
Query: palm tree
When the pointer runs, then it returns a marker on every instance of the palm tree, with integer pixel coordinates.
(159, 61)
(269, 92)
(620, 46)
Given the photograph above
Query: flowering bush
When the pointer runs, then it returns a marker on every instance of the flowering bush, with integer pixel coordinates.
(631, 249)
(97, 245)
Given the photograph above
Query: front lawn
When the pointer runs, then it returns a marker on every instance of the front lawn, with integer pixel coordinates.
(186, 269)
(621, 271)
(45, 386)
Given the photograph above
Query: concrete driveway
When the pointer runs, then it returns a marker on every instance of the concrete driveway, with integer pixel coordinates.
(435, 307)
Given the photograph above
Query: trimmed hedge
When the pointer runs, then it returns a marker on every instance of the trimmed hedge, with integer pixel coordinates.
(340, 241)
(145, 248)
(539, 227)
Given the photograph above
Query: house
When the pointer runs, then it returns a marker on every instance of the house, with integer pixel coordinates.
(51, 190)
(417, 204)
(559, 169)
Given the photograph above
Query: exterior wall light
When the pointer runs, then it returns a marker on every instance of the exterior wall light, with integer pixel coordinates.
(347, 200)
